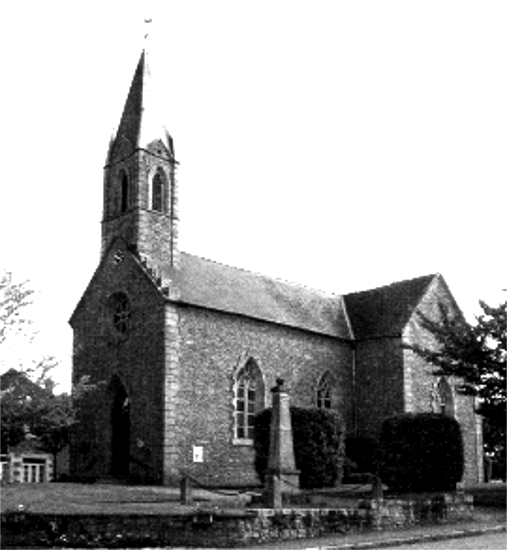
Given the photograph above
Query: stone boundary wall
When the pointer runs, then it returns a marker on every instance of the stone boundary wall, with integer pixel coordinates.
(226, 528)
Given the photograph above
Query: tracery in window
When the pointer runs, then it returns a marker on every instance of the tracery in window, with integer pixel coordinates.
(248, 399)
(121, 312)
(324, 395)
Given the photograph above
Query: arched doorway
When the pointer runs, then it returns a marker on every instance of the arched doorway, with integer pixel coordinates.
(120, 429)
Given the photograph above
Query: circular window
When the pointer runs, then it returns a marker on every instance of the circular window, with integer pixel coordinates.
(121, 312)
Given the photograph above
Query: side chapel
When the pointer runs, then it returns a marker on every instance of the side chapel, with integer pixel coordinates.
(184, 350)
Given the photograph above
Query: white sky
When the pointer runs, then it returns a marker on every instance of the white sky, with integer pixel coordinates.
(339, 144)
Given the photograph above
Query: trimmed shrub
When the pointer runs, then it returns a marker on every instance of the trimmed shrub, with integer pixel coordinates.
(421, 452)
(318, 436)
(361, 455)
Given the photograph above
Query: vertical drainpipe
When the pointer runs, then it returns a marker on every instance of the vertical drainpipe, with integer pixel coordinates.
(353, 345)
(479, 447)
(354, 390)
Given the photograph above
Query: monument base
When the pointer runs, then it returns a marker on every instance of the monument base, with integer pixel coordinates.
(278, 484)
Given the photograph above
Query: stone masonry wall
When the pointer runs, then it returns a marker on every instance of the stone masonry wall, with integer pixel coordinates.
(136, 358)
(213, 347)
(420, 385)
(153, 234)
(379, 383)
(222, 528)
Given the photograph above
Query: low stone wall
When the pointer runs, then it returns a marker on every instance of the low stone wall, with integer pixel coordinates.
(226, 528)
(395, 513)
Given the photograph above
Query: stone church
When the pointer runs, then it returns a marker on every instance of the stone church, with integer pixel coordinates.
(184, 350)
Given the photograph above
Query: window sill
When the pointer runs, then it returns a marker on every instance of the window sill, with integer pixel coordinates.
(242, 441)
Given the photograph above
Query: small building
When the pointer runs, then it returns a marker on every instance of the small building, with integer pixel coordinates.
(26, 460)
(27, 463)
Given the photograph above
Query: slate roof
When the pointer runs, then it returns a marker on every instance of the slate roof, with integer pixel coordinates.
(386, 310)
(220, 287)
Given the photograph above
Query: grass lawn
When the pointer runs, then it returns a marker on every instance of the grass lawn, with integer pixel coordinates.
(76, 498)
(80, 498)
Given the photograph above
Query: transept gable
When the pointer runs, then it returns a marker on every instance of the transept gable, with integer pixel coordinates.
(437, 295)
(385, 311)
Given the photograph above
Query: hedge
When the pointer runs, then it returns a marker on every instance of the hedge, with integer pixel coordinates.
(318, 436)
(421, 452)
(361, 455)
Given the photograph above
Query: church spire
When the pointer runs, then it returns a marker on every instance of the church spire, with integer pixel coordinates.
(140, 125)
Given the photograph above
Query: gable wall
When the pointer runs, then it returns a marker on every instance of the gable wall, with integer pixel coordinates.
(138, 360)
(213, 346)
(420, 383)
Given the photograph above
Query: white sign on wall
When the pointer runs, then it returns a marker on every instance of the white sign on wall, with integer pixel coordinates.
(198, 454)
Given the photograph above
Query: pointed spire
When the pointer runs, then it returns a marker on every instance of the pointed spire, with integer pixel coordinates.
(140, 124)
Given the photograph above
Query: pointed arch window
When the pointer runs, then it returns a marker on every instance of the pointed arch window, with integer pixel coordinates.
(444, 400)
(324, 394)
(159, 191)
(248, 399)
(124, 192)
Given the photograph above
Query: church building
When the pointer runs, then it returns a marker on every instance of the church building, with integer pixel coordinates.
(184, 350)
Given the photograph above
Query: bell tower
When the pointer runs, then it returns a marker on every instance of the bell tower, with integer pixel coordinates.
(140, 191)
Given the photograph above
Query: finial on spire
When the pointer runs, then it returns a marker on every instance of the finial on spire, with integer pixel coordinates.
(147, 22)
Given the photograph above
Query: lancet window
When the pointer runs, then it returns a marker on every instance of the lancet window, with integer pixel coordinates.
(159, 191)
(124, 192)
(248, 399)
(324, 395)
(444, 400)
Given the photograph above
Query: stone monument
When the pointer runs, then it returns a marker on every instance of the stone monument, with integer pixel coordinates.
(281, 475)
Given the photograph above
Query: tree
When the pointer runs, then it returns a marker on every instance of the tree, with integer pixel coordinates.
(14, 297)
(28, 402)
(31, 407)
(477, 356)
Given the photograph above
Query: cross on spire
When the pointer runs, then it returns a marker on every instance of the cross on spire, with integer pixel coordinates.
(147, 22)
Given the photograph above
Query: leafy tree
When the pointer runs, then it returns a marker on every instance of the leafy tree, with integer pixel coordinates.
(14, 297)
(477, 356)
(27, 398)
(29, 407)
(24, 403)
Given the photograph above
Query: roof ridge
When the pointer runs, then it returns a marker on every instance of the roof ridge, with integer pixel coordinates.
(265, 276)
(393, 284)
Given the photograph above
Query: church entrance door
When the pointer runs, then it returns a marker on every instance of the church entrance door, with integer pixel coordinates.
(120, 430)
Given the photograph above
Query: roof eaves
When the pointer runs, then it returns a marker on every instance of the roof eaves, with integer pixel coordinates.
(186, 303)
